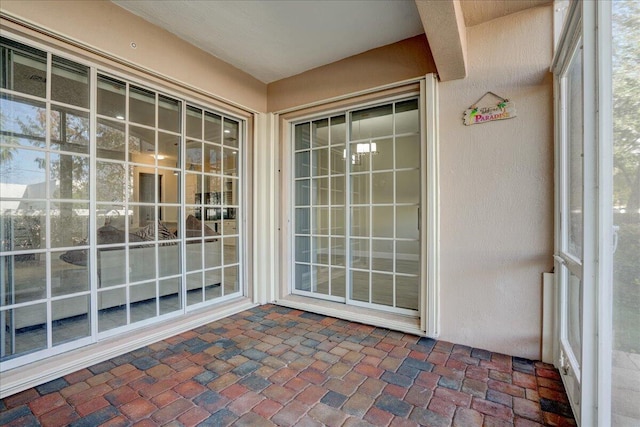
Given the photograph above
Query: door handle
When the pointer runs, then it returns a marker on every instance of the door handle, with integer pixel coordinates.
(559, 259)
(616, 228)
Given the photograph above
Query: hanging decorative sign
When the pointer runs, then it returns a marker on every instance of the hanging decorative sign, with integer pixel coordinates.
(475, 115)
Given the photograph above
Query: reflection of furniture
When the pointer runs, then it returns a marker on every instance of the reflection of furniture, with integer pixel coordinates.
(111, 267)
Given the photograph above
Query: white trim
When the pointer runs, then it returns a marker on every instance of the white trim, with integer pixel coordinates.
(604, 156)
(36, 373)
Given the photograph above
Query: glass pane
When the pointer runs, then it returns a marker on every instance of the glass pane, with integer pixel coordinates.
(231, 283)
(194, 288)
(23, 228)
(320, 162)
(338, 282)
(69, 224)
(626, 216)
(302, 164)
(231, 132)
(230, 248)
(360, 221)
(142, 263)
(575, 154)
(212, 127)
(194, 122)
(408, 186)
(408, 257)
(213, 254)
(142, 145)
(303, 221)
(320, 191)
(110, 140)
(338, 130)
(382, 221)
(372, 122)
(382, 289)
(22, 118)
(338, 251)
(142, 106)
(112, 309)
(143, 301)
(360, 253)
(574, 315)
(71, 176)
(111, 179)
(321, 221)
(320, 132)
(407, 292)
(320, 250)
(111, 97)
(303, 187)
(194, 156)
(337, 221)
(168, 150)
(212, 280)
(337, 190)
(111, 265)
(408, 152)
(194, 255)
(321, 279)
(407, 118)
(169, 259)
(360, 189)
(382, 191)
(302, 136)
(69, 130)
(23, 68)
(169, 112)
(303, 277)
(383, 159)
(27, 330)
(71, 319)
(26, 169)
(212, 157)
(338, 160)
(69, 82)
(360, 285)
(229, 195)
(230, 227)
(229, 162)
(24, 278)
(170, 295)
(382, 255)
(168, 187)
(407, 222)
(360, 160)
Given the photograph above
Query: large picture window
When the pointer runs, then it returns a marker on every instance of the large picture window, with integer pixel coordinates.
(120, 205)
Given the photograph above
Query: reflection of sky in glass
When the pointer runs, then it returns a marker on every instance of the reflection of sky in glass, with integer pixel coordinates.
(15, 112)
(23, 168)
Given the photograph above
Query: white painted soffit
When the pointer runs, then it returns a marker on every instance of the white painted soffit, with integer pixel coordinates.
(275, 39)
(446, 33)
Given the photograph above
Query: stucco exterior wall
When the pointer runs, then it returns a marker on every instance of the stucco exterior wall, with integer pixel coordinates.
(496, 188)
(399, 61)
(110, 29)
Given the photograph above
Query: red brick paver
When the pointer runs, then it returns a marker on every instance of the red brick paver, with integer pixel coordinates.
(276, 366)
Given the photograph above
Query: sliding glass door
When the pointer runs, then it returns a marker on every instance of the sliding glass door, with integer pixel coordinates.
(356, 192)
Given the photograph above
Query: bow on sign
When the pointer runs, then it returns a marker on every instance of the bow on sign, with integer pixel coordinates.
(503, 110)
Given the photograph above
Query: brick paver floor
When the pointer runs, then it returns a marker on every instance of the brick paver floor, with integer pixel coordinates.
(276, 366)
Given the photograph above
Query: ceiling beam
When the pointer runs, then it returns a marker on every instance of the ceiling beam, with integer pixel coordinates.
(446, 32)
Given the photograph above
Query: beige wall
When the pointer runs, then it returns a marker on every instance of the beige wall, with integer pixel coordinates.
(399, 61)
(111, 29)
(496, 189)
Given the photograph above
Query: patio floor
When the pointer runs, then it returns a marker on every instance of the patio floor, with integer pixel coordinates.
(275, 366)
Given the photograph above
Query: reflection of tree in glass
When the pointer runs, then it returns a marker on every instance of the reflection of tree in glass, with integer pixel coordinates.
(8, 150)
(626, 174)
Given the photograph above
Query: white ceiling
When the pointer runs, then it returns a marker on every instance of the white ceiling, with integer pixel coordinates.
(274, 39)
